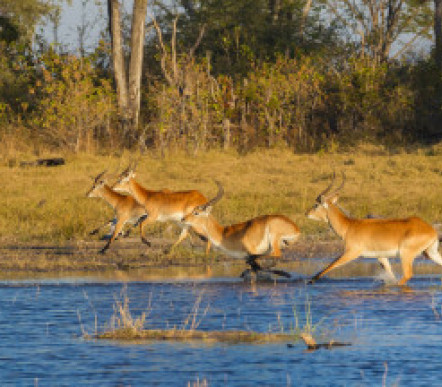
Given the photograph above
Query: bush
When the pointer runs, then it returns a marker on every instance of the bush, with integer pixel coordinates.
(72, 105)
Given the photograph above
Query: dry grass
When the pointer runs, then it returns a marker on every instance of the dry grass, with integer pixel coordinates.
(49, 204)
(125, 327)
(227, 336)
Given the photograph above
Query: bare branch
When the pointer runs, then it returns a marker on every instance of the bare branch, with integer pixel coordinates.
(173, 48)
(198, 40)
(305, 12)
(408, 44)
(163, 50)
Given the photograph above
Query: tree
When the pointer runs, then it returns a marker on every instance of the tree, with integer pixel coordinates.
(118, 56)
(25, 14)
(136, 59)
(128, 87)
(380, 23)
(240, 33)
(438, 32)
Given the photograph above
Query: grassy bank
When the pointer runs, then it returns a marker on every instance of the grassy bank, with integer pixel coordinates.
(49, 204)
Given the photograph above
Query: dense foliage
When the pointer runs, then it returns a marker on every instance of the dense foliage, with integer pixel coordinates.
(227, 74)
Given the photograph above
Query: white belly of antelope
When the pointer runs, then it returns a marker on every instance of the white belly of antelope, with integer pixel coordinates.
(377, 254)
(175, 217)
(233, 253)
(264, 246)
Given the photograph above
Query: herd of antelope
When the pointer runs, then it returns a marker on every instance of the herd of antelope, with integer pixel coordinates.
(266, 235)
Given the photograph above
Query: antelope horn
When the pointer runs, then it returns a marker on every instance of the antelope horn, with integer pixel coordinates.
(323, 193)
(100, 175)
(125, 171)
(218, 196)
(115, 170)
(341, 186)
(135, 164)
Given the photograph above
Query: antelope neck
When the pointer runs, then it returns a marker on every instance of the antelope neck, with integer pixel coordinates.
(214, 230)
(338, 221)
(137, 191)
(110, 196)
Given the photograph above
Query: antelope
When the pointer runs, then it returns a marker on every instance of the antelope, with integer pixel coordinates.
(262, 236)
(379, 238)
(126, 208)
(164, 205)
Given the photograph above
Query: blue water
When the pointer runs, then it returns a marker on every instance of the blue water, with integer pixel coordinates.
(396, 336)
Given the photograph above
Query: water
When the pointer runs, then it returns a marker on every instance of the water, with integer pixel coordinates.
(396, 336)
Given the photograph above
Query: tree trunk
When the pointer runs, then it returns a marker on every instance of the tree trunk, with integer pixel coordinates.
(438, 32)
(226, 130)
(118, 56)
(136, 59)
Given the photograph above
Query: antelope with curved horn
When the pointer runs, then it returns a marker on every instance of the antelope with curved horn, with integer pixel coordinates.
(376, 237)
(164, 205)
(263, 236)
(126, 208)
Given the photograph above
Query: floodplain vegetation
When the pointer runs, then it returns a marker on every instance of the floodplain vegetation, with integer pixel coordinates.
(46, 218)
(123, 326)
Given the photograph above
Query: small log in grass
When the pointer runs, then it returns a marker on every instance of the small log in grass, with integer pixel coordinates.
(312, 345)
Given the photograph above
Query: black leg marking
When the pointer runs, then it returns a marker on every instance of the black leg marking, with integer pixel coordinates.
(103, 250)
(145, 241)
(314, 278)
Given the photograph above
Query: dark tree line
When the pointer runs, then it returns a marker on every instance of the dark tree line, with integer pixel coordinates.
(310, 74)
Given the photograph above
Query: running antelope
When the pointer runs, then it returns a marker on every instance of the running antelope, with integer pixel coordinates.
(259, 237)
(126, 208)
(164, 205)
(375, 238)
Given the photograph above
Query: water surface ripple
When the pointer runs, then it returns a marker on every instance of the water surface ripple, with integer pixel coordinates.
(396, 336)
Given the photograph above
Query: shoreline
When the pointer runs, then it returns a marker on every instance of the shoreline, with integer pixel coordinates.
(130, 260)
(127, 254)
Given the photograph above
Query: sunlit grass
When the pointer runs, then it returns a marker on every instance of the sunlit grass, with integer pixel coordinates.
(49, 204)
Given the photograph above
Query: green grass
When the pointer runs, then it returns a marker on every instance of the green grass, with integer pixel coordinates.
(49, 204)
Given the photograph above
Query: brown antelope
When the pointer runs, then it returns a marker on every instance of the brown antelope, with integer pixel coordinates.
(126, 208)
(164, 205)
(263, 236)
(376, 237)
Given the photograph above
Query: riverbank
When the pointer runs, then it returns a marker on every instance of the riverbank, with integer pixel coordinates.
(130, 260)
(46, 218)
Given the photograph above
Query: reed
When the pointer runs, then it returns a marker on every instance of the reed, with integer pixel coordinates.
(125, 327)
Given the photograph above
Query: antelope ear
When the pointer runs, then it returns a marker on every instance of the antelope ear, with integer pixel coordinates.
(334, 199)
(208, 209)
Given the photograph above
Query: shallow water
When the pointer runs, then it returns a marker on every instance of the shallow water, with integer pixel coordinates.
(396, 335)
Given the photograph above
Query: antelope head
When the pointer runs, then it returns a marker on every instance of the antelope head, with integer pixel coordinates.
(99, 182)
(324, 199)
(200, 213)
(122, 183)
